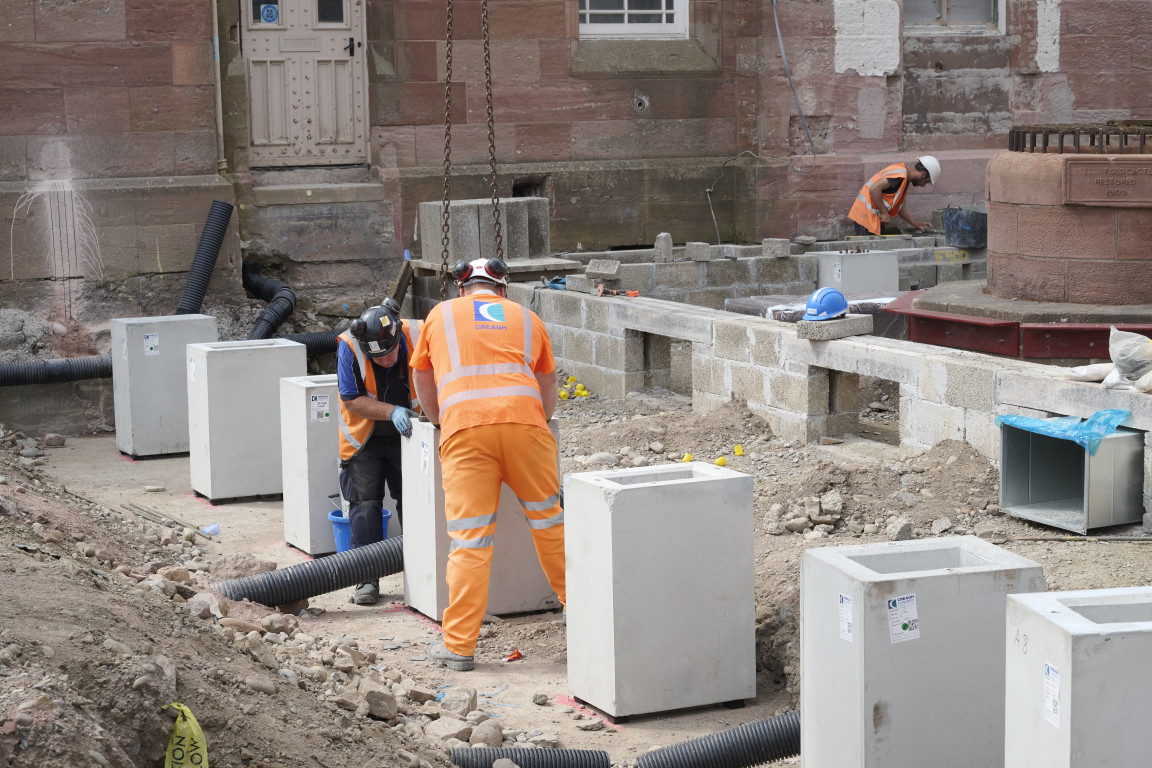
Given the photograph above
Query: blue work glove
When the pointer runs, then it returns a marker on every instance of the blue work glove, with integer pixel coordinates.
(402, 418)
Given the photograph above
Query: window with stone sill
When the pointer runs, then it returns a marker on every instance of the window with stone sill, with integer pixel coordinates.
(633, 19)
(952, 15)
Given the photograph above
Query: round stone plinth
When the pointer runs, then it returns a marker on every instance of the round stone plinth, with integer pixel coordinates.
(969, 297)
(1071, 228)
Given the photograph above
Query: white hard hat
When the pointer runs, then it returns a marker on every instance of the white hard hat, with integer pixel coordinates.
(932, 165)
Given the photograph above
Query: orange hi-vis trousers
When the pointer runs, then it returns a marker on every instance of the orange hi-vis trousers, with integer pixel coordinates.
(475, 461)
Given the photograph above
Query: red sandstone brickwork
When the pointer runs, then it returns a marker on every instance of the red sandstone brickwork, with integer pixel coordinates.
(95, 88)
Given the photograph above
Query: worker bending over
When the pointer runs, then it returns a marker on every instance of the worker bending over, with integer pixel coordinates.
(882, 196)
(484, 372)
(376, 393)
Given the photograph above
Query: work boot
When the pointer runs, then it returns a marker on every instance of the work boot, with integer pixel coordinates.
(367, 594)
(445, 658)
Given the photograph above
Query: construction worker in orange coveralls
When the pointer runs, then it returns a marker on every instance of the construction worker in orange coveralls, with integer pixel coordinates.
(484, 371)
(882, 196)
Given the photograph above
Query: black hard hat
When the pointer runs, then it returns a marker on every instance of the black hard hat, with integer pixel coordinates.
(378, 329)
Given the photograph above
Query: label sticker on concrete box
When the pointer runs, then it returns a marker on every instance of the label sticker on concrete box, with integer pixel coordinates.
(191, 369)
(319, 408)
(1052, 694)
(846, 618)
(425, 457)
(903, 622)
(151, 344)
(124, 347)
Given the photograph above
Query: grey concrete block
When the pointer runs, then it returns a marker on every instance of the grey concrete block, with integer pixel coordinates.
(663, 248)
(580, 346)
(946, 273)
(580, 284)
(917, 277)
(603, 269)
(595, 316)
(764, 350)
(807, 268)
(513, 229)
(732, 341)
(725, 272)
(539, 227)
(775, 248)
(568, 308)
(840, 328)
(698, 251)
(748, 383)
(625, 355)
(680, 274)
(924, 424)
(636, 277)
(789, 392)
(969, 386)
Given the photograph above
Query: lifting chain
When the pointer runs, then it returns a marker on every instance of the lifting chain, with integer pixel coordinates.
(447, 158)
(445, 218)
(491, 129)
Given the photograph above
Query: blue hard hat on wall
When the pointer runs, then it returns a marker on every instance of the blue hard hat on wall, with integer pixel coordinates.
(825, 304)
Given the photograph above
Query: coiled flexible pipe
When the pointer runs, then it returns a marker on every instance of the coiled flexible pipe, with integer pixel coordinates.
(204, 262)
(281, 301)
(53, 371)
(757, 743)
(319, 576)
(466, 757)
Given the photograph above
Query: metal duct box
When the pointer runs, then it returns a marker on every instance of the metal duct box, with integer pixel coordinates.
(864, 272)
(1078, 679)
(234, 415)
(661, 587)
(310, 455)
(1056, 482)
(517, 583)
(902, 653)
(148, 370)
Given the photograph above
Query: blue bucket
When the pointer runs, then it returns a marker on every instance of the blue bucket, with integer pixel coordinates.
(342, 528)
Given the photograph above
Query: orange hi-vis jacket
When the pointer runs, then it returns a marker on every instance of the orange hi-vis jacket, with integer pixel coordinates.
(862, 211)
(485, 352)
(355, 430)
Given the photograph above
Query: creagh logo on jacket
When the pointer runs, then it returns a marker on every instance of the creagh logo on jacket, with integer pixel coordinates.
(488, 315)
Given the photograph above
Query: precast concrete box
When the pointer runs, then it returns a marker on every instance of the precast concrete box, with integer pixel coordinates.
(661, 593)
(148, 370)
(517, 583)
(234, 415)
(310, 457)
(863, 272)
(1078, 682)
(902, 653)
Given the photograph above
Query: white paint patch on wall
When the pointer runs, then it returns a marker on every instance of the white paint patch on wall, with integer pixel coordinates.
(867, 37)
(1048, 35)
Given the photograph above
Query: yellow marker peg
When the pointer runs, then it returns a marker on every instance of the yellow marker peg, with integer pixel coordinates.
(738, 450)
(563, 394)
(721, 461)
(571, 380)
(687, 457)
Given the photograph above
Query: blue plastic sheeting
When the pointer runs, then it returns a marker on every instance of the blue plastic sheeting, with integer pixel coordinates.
(1086, 434)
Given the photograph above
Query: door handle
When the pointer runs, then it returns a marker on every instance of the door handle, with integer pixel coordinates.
(351, 47)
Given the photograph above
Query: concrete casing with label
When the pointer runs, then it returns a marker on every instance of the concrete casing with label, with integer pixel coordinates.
(148, 372)
(890, 681)
(517, 582)
(866, 272)
(1078, 682)
(234, 414)
(310, 458)
(661, 587)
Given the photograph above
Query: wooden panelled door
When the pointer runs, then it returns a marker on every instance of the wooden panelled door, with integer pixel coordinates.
(307, 94)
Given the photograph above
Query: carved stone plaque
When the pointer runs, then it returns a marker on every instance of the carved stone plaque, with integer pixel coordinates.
(1122, 182)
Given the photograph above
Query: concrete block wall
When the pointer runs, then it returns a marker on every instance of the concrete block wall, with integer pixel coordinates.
(798, 385)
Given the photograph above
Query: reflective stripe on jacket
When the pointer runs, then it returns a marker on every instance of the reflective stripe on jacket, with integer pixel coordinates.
(355, 430)
(869, 217)
(485, 352)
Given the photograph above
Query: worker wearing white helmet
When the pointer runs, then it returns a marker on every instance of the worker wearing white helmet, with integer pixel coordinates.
(882, 196)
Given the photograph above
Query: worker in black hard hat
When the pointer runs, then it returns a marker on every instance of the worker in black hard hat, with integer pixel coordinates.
(377, 406)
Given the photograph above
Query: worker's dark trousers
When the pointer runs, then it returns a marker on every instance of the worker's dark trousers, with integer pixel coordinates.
(362, 483)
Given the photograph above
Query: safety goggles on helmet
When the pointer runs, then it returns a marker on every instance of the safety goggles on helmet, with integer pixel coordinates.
(378, 329)
(489, 270)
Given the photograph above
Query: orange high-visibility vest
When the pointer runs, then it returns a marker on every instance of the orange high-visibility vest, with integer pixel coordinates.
(485, 352)
(862, 211)
(355, 430)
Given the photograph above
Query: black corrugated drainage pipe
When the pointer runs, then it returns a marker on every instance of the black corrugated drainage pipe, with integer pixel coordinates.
(204, 263)
(53, 371)
(466, 757)
(319, 576)
(317, 342)
(281, 301)
(764, 741)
